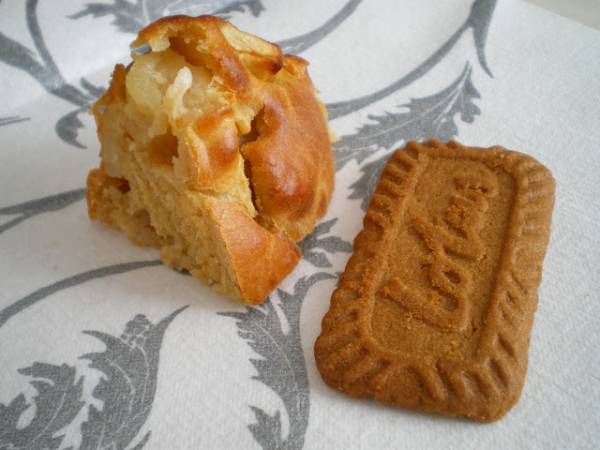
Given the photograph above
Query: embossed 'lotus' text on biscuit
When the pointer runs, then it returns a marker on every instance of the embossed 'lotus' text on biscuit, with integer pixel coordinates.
(444, 255)
(449, 241)
(435, 307)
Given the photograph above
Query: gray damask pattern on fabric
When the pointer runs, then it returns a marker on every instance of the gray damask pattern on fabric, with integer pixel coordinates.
(478, 21)
(299, 44)
(277, 355)
(26, 210)
(317, 245)
(131, 16)
(57, 403)
(129, 366)
(420, 119)
(29, 300)
(12, 119)
(431, 117)
(281, 366)
(41, 66)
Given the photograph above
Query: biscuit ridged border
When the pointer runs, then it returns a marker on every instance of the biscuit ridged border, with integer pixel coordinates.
(351, 360)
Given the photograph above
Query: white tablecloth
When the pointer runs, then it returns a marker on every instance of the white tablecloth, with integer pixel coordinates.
(102, 347)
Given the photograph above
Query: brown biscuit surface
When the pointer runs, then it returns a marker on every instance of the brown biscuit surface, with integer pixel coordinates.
(435, 307)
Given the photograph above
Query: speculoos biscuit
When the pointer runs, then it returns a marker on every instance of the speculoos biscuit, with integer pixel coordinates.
(435, 307)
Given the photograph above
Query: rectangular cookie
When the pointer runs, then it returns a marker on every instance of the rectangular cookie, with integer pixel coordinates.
(434, 309)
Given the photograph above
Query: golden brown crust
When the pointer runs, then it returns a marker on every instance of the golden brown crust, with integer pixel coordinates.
(291, 163)
(260, 259)
(435, 314)
(285, 160)
(220, 147)
(214, 123)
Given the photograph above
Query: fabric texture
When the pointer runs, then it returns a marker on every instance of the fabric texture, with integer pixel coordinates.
(103, 347)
